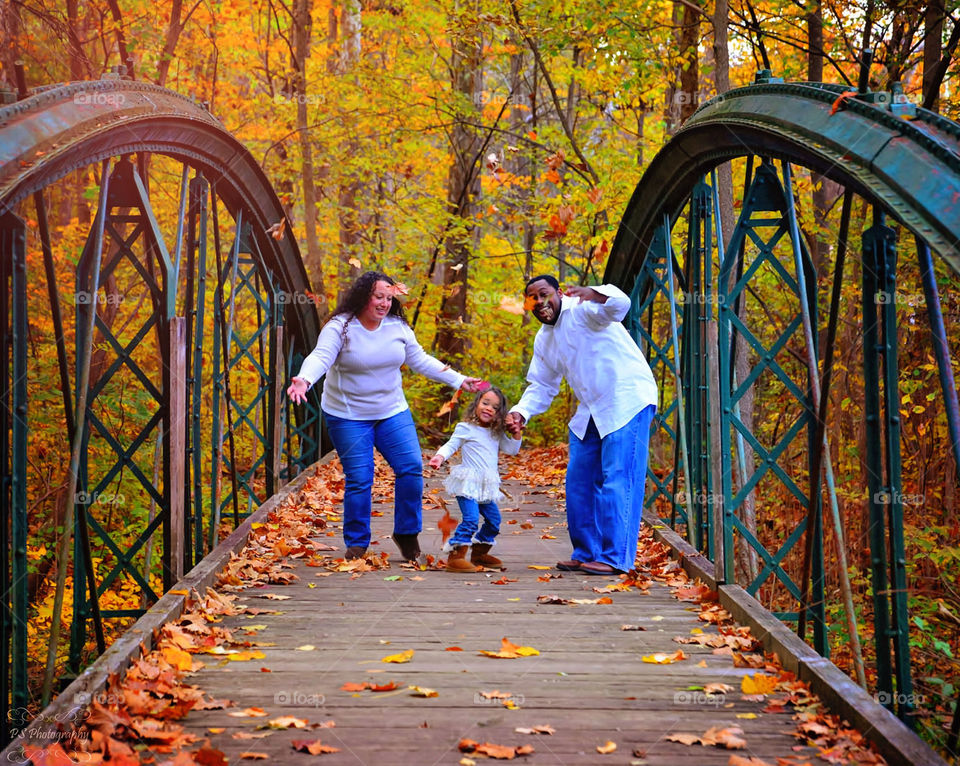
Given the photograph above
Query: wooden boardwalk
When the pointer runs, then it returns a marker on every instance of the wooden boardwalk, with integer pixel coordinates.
(588, 683)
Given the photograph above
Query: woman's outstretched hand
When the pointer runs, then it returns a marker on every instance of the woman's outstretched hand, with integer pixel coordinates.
(472, 385)
(298, 390)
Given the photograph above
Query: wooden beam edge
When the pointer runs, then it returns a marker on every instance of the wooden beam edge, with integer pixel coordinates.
(54, 722)
(892, 738)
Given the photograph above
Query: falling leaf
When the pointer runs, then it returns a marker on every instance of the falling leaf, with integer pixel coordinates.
(404, 656)
(399, 288)
(448, 406)
(446, 525)
(355, 263)
(608, 747)
(278, 229)
(529, 302)
(511, 305)
(422, 691)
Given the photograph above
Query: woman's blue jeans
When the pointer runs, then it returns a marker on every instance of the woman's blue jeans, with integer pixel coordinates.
(396, 439)
(470, 513)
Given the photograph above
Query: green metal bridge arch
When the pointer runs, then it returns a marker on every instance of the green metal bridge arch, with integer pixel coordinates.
(210, 433)
(697, 283)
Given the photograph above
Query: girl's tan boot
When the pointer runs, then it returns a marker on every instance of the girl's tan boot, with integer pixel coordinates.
(457, 561)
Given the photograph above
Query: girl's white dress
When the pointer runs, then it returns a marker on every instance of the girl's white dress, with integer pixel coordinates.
(477, 475)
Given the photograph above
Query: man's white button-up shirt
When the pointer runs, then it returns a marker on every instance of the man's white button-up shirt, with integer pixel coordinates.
(591, 349)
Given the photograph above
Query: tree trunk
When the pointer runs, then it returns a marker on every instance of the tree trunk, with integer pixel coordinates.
(463, 187)
(174, 28)
(932, 43)
(302, 28)
(348, 214)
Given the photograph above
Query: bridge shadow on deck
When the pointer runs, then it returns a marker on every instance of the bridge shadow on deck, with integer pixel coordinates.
(588, 683)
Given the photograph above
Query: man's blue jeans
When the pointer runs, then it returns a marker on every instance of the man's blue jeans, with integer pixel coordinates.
(396, 439)
(470, 513)
(605, 485)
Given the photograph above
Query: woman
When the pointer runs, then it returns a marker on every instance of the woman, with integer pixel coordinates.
(361, 349)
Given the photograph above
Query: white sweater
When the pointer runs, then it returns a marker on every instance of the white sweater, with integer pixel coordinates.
(363, 372)
(477, 475)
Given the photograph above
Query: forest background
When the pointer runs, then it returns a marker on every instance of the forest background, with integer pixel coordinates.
(462, 147)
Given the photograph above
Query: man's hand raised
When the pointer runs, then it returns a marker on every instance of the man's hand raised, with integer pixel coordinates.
(584, 294)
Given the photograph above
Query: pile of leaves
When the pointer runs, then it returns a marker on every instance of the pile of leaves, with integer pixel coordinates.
(837, 742)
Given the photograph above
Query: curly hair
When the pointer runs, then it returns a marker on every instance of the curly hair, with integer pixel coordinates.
(498, 424)
(358, 296)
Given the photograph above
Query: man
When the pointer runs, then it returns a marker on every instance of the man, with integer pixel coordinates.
(583, 341)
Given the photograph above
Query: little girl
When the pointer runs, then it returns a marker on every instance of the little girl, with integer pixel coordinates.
(475, 482)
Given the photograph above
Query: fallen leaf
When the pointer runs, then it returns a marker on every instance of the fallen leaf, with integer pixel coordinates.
(422, 691)
(662, 658)
(683, 738)
(314, 747)
(758, 684)
(249, 756)
(543, 729)
(306, 648)
(287, 722)
(250, 712)
(404, 656)
(606, 748)
(740, 760)
(510, 651)
(536, 566)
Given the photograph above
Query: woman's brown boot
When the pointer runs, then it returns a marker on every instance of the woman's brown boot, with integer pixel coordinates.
(457, 561)
(480, 555)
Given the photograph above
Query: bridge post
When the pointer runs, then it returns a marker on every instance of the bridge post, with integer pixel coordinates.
(884, 480)
(13, 469)
(176, 556)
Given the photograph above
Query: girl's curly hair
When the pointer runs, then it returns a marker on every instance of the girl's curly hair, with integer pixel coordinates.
(498, 424)
(358, 296)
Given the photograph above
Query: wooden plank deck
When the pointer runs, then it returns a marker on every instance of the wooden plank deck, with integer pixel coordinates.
(588, 682)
